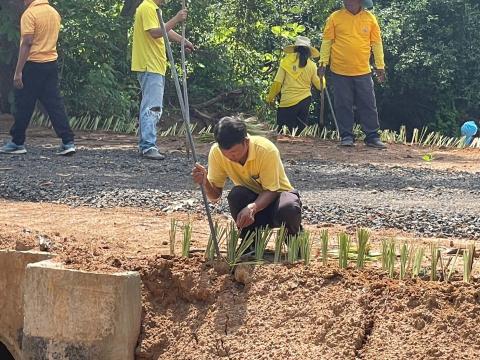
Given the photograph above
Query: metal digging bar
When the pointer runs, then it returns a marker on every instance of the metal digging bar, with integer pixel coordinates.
(186, 118)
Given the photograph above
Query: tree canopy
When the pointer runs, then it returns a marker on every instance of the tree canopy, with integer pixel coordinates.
(430, 46)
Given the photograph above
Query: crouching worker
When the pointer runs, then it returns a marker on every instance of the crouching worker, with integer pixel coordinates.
(262, 194)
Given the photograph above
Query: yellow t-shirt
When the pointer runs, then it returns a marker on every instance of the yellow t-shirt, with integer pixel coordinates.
(43, 22)
(262, 171)
(352, 39)
(296, 81)
(148, 54)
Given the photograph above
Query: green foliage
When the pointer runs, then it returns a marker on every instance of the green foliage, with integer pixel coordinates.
(430, 48)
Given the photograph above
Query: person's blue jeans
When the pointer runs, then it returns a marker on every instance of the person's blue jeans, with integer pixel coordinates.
(151, 107)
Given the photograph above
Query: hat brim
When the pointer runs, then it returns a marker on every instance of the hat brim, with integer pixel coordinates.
(291, 49)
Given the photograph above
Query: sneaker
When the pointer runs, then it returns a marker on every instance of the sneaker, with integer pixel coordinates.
(13, 149)
(67, 149)
(153, 154)
(375, 143)
(347, 142)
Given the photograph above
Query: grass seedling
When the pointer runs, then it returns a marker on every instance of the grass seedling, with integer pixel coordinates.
(235, 253)
(305, 247)
(435, 253)
(172, 235)
(362, 247)
(187, 239)
(406, 253)
(468, 256)
(448, 276)
(417, 263)
(293, 245)
(343, 250)
(221, 233)
(263, 236)
(324, 243)
(279, 241)
(389, 256)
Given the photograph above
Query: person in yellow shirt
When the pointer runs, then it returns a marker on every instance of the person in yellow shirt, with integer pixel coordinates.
(36, 77)
(262, 194)
(149, 61)
(350, 36)
(294, 81)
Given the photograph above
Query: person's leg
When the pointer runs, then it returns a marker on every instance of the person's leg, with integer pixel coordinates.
(302, 111)
(25, 100)
(52, 100)
(366, 106)
(288, 210)
(238, 198)
(151, 107)
(343, 92)
(286, 117)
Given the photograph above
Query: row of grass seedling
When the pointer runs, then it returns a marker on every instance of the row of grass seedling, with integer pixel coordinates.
(400, 260)
(422, 136)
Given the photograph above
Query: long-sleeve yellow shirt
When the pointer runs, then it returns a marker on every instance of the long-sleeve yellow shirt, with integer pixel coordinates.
(294, 82)
(348, 41)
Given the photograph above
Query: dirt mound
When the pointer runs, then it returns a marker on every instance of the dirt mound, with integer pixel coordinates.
(297, 312)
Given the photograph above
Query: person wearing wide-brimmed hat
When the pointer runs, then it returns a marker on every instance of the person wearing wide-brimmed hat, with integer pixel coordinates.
(294, 81)
(350, 36)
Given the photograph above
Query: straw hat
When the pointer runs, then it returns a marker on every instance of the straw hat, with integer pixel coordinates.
(305, 42)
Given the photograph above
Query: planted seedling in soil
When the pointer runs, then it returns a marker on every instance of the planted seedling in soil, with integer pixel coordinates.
(172, 235)
(468, 257)
(434, 253)
(343, 250)
(293, 245)
(235, 252)
(389, 256)
(406, 254)
(417, 263)
(279, 241)
(448, 276)
(263, 236)
(324, 241)
(187, 239)
(362, 247)
(220, 231)
(305, 247)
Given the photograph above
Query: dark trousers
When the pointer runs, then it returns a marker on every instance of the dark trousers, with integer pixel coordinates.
(355, 92)
(295, 116)
(287, 209)
(40, 82)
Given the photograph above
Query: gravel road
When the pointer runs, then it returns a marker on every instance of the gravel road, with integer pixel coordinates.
(428, 202)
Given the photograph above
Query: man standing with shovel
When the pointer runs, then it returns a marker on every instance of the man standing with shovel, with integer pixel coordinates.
(350, 35)
(149, 60)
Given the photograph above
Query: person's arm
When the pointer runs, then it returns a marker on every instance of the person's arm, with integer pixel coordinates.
(176, 37)
(246, 217)
(276, 86)
(377, 49)
(326, 48)
(155, 31)
(200, 176)
(23, 53)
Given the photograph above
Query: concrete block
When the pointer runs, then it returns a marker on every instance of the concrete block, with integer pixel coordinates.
(77, 315)
(12, 274)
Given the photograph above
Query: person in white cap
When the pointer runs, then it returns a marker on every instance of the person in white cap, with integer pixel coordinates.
(294, 81)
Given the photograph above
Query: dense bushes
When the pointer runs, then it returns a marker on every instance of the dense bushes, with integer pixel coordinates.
(431, 52)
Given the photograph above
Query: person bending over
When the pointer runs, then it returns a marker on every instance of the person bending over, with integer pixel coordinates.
(262, 194)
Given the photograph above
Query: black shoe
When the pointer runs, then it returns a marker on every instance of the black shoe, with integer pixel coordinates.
(375, 143)
(347, 142)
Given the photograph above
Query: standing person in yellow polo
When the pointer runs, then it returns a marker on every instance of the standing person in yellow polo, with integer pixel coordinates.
(149, 60)
(36, 77)
(262, 194)
(350, 36)
(294, 81)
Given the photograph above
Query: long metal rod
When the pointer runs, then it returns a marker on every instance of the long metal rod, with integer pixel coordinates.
(332, 111)
(184, 73)
(186, 119)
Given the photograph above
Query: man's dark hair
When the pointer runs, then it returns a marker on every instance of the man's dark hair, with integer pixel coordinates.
(304, 54)
(230, 131)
